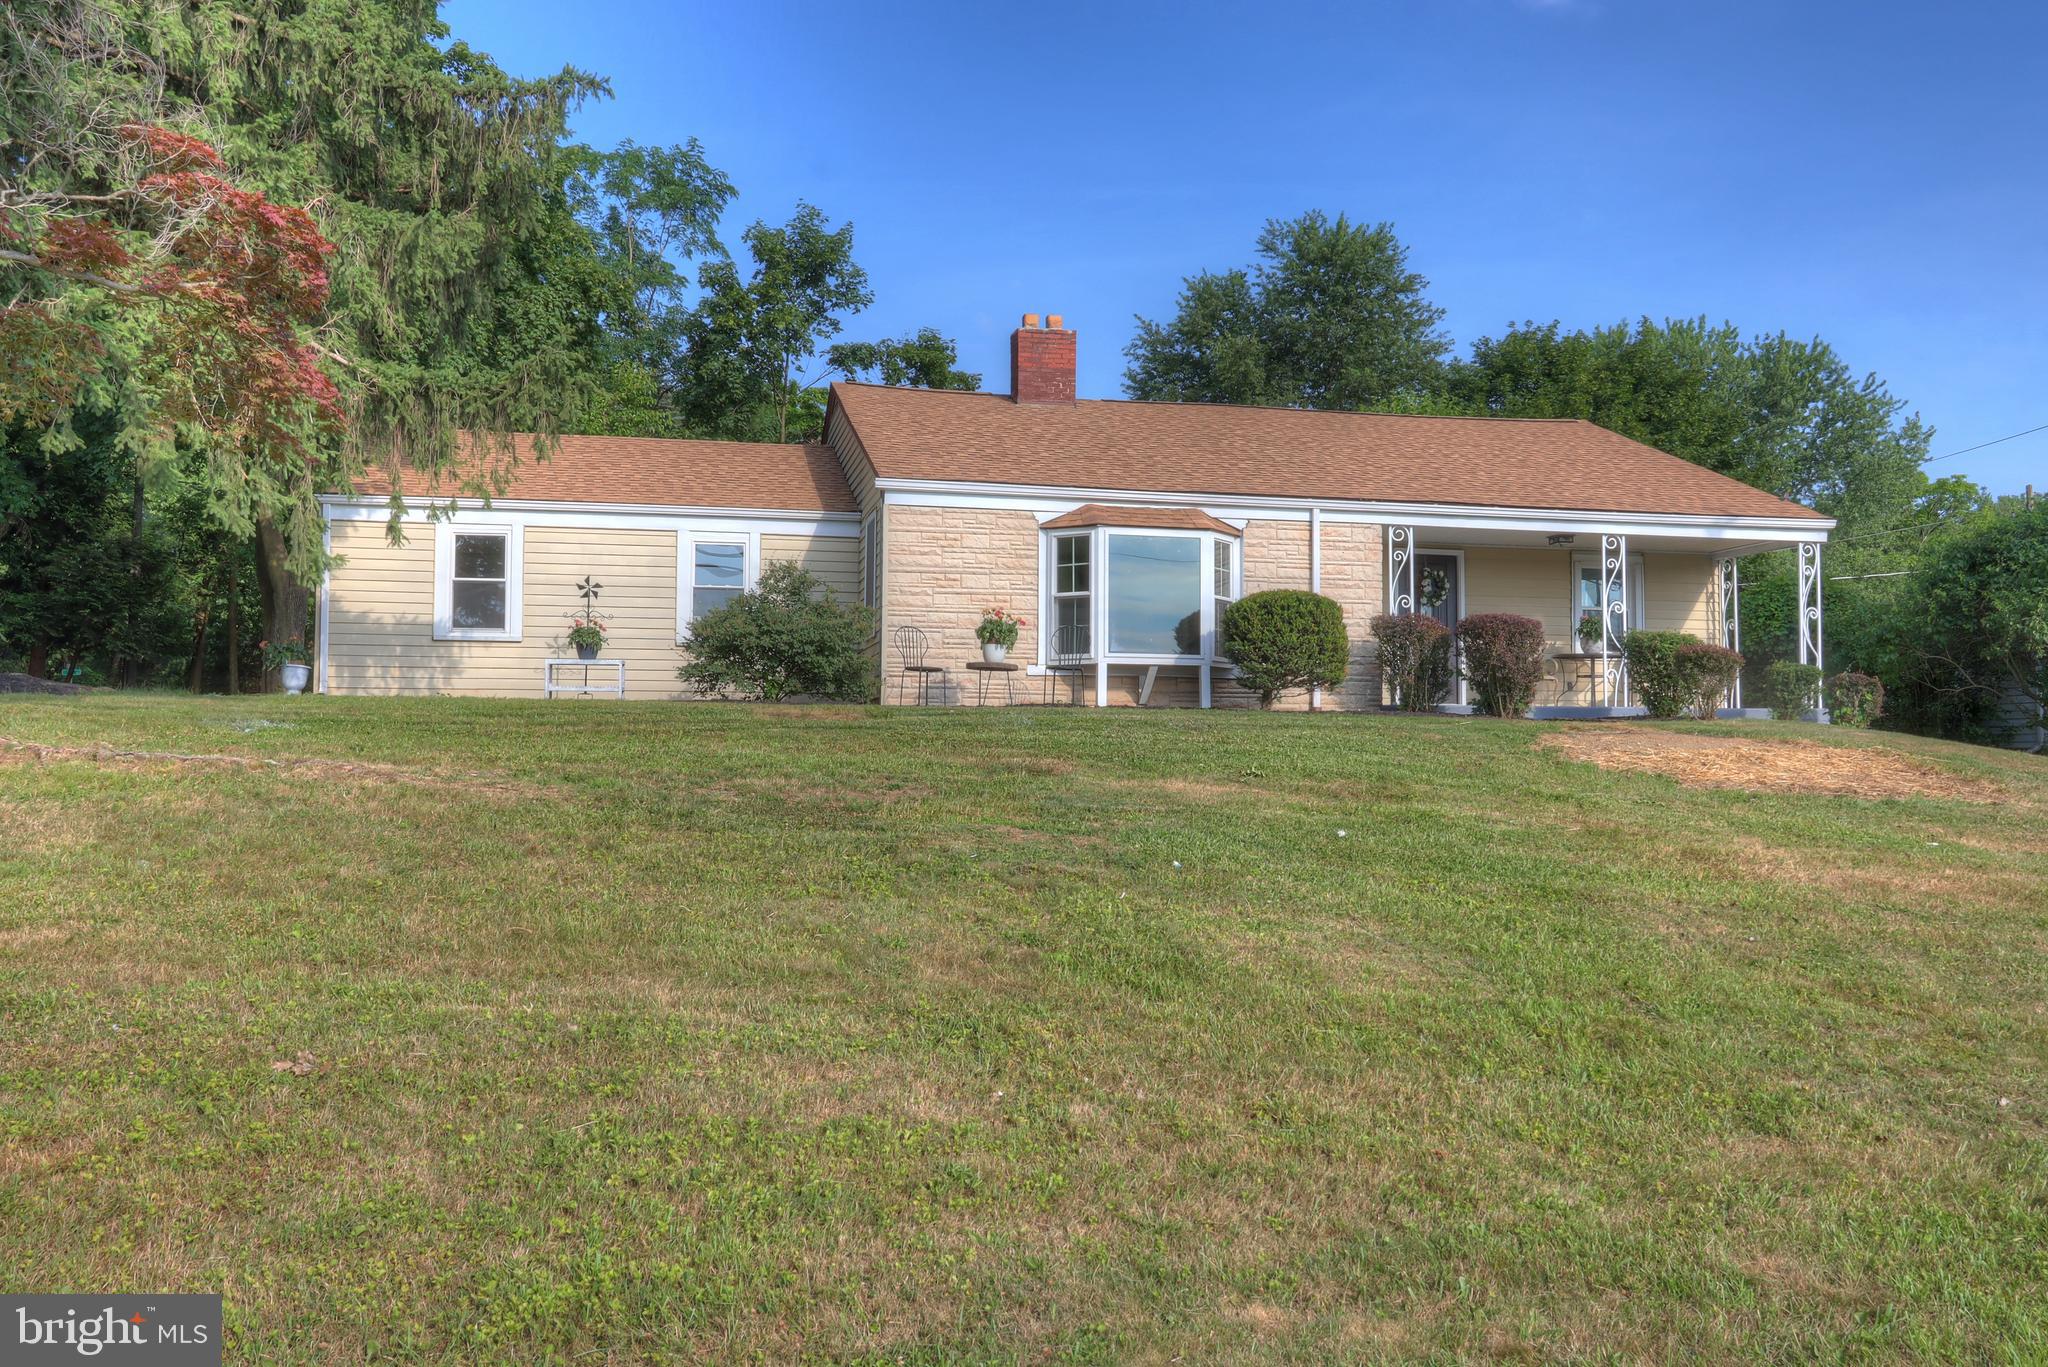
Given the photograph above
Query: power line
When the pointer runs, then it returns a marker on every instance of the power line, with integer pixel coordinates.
(2015, 436)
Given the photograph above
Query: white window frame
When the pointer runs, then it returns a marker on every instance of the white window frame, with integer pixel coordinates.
(687, 542)
(1590, 560)
(1099, 589)
(445, 533)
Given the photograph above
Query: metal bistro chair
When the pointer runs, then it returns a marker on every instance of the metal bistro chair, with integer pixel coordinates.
(911, 647)
(1066, 656)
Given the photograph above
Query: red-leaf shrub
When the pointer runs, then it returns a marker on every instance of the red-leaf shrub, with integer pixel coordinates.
(1710, 671)
(1503, 660)
(1415, 658)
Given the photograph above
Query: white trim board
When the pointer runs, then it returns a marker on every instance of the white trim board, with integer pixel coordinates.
(595, 516)
(944, 494)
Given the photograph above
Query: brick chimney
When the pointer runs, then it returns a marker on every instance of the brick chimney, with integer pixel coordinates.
(1042, 361)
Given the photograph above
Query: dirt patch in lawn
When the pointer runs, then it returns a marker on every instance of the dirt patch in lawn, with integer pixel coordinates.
(1775, 766)
(29, 752)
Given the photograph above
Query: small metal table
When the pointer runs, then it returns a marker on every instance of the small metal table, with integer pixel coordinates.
(551, 684)
(982, 669)
(1585, 669)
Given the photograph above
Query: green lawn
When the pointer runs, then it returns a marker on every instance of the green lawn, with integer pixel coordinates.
(643, 1032)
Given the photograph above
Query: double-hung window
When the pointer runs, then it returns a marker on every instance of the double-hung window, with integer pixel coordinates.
(718, 574)
(1072, 594)
(476, 582)
(1223, 582)
(1586, 579)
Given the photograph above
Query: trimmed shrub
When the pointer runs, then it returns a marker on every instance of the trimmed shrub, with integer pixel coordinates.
(789, 638)
(1286, 639)
(1655, 673)
(1855, 699)
(1503, 660)
(1791, 690)
(1709, 671)
(1415, 658)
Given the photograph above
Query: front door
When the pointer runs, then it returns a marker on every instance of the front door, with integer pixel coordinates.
(1440, 593)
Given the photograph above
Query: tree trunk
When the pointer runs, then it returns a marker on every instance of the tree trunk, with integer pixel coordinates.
(130, 671)
(200, 617)
(39, 660)
(234, 629)
(286, 601)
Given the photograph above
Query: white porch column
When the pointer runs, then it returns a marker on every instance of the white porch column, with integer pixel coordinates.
(1101, 679)
(1613, 619)
(1809, 604)
(1400, 568)
(1731, 619)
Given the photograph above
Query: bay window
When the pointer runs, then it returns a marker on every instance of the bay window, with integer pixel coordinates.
(1138, 595)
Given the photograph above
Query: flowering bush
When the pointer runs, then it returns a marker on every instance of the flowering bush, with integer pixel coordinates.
(586, 634)
(1503, 660)
(1415, 658)
(277, 654)
(998, 628)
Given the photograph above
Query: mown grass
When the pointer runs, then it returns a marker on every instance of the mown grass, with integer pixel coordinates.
(645, 1032)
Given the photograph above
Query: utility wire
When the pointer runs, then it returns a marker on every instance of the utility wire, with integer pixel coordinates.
(2014, 436)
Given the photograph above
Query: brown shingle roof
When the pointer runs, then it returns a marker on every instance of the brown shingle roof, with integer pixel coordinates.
(660, 472)
(1285, 453)
(1106, 515)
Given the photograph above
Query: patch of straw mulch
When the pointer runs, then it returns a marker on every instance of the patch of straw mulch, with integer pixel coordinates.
(1774, 766)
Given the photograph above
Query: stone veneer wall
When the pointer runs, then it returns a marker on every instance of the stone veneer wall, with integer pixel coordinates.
(945, 566)
(1276, 556)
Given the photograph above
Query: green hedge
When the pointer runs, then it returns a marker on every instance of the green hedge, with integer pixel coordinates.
(1655, 672)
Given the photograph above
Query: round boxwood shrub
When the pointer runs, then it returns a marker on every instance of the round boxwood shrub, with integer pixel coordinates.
(1503, 654)
(1663, 684)
(1415, 658)
(1286, 639)
(1710, 671)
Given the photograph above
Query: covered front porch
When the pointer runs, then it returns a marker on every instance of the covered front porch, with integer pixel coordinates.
(1589, 586)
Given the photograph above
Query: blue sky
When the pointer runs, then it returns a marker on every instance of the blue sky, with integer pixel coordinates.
(1869, 173)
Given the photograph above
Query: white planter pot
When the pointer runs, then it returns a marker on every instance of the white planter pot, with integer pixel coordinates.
(296, 677)
(993, 654)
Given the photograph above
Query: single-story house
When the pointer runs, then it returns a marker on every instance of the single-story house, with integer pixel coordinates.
(1119, 530)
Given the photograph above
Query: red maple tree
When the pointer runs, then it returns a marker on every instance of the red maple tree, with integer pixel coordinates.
(235, 285)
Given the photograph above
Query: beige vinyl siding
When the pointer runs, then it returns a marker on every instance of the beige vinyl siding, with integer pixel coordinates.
(834, 559)
(1678, 590)
(380, 634)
